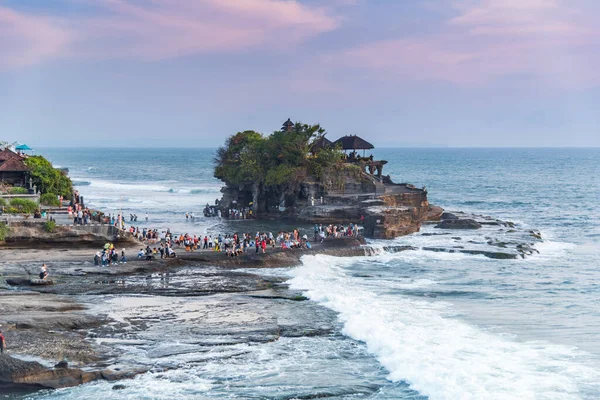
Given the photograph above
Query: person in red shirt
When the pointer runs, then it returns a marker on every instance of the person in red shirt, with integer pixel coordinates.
(2, 343)
(263, 245)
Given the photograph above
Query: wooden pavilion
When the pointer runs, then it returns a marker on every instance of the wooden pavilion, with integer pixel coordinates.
(353, 142)
(12, 168)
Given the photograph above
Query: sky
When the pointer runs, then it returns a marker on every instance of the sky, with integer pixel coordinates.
(400, 73)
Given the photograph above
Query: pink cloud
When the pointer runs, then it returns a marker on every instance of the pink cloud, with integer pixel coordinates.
(158, 29)
(487, 39)
(26, 39)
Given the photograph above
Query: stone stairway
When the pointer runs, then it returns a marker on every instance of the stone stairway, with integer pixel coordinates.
(379, 187)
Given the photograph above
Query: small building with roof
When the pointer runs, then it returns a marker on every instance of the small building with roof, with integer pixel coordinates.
(354, 142)
(319, 143)
(13, 170)
(287, 125)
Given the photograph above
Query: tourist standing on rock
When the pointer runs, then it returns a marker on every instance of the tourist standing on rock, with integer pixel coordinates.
(263, 245)
(43, 271)
(2, 343)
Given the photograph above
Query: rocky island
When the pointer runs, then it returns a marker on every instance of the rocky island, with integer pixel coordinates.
(298, 174)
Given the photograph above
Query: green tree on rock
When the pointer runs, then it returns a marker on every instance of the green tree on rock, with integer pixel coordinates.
(274, 163)
(47, 178)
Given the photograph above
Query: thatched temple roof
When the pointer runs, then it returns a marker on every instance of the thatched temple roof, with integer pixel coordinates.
(320, 143)
(353, 142)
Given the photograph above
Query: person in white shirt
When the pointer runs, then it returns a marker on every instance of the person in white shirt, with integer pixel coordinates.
(43, 271)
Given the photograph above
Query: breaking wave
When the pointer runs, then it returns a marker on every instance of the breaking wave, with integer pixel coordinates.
(441, 357)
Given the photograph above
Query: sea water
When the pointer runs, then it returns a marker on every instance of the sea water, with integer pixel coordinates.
(408, 325)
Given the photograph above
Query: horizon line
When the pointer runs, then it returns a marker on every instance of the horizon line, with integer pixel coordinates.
(381, 147)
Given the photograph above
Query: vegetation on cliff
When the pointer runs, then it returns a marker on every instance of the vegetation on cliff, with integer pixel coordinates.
(47, 178)
(50, 226)
(17, 190)
(49, 199)
(249, 158)
(22, 206)
(4, 230)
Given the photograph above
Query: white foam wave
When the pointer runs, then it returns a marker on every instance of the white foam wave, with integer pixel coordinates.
(124, 187)
(552, 248)
(172, 384)
(441, 357)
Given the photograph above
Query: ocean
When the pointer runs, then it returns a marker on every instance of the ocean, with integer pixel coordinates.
(410, 325)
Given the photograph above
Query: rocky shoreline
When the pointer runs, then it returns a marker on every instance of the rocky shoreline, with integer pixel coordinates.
(53, 323)
(91, 317)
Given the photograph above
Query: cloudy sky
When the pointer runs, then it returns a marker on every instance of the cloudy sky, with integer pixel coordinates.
(401, 73)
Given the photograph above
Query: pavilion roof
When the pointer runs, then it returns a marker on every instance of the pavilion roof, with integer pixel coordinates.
(320, 143)
(353, 142)
(287, 125)
(14, 164)
(7, 154)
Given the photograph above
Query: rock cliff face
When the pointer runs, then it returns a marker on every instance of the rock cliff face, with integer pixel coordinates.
(341, 196)
(26, 232)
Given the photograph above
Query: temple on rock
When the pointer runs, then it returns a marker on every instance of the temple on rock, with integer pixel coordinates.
(298, 174)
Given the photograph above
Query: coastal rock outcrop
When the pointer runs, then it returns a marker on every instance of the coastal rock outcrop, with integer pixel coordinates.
(459, 224)
(384, 210)
(15, 372)
(18, 373)
(24, 233)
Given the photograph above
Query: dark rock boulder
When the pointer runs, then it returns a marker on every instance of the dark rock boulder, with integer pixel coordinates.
(19, 373)
(14, 372)
(498, 255)
(448, 216)
(12, 369)
(535, 234)
(18, 281)
(459, 224)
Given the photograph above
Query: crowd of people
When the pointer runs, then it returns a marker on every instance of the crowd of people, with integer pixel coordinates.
(335, 231)
(241, 213)
(109, 256)
(163, 243)
(164, 250)
(236, 244)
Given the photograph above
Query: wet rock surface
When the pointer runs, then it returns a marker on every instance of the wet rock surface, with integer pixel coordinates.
(113, 323)
(489, 237)
(119, 321)
(459, 224)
